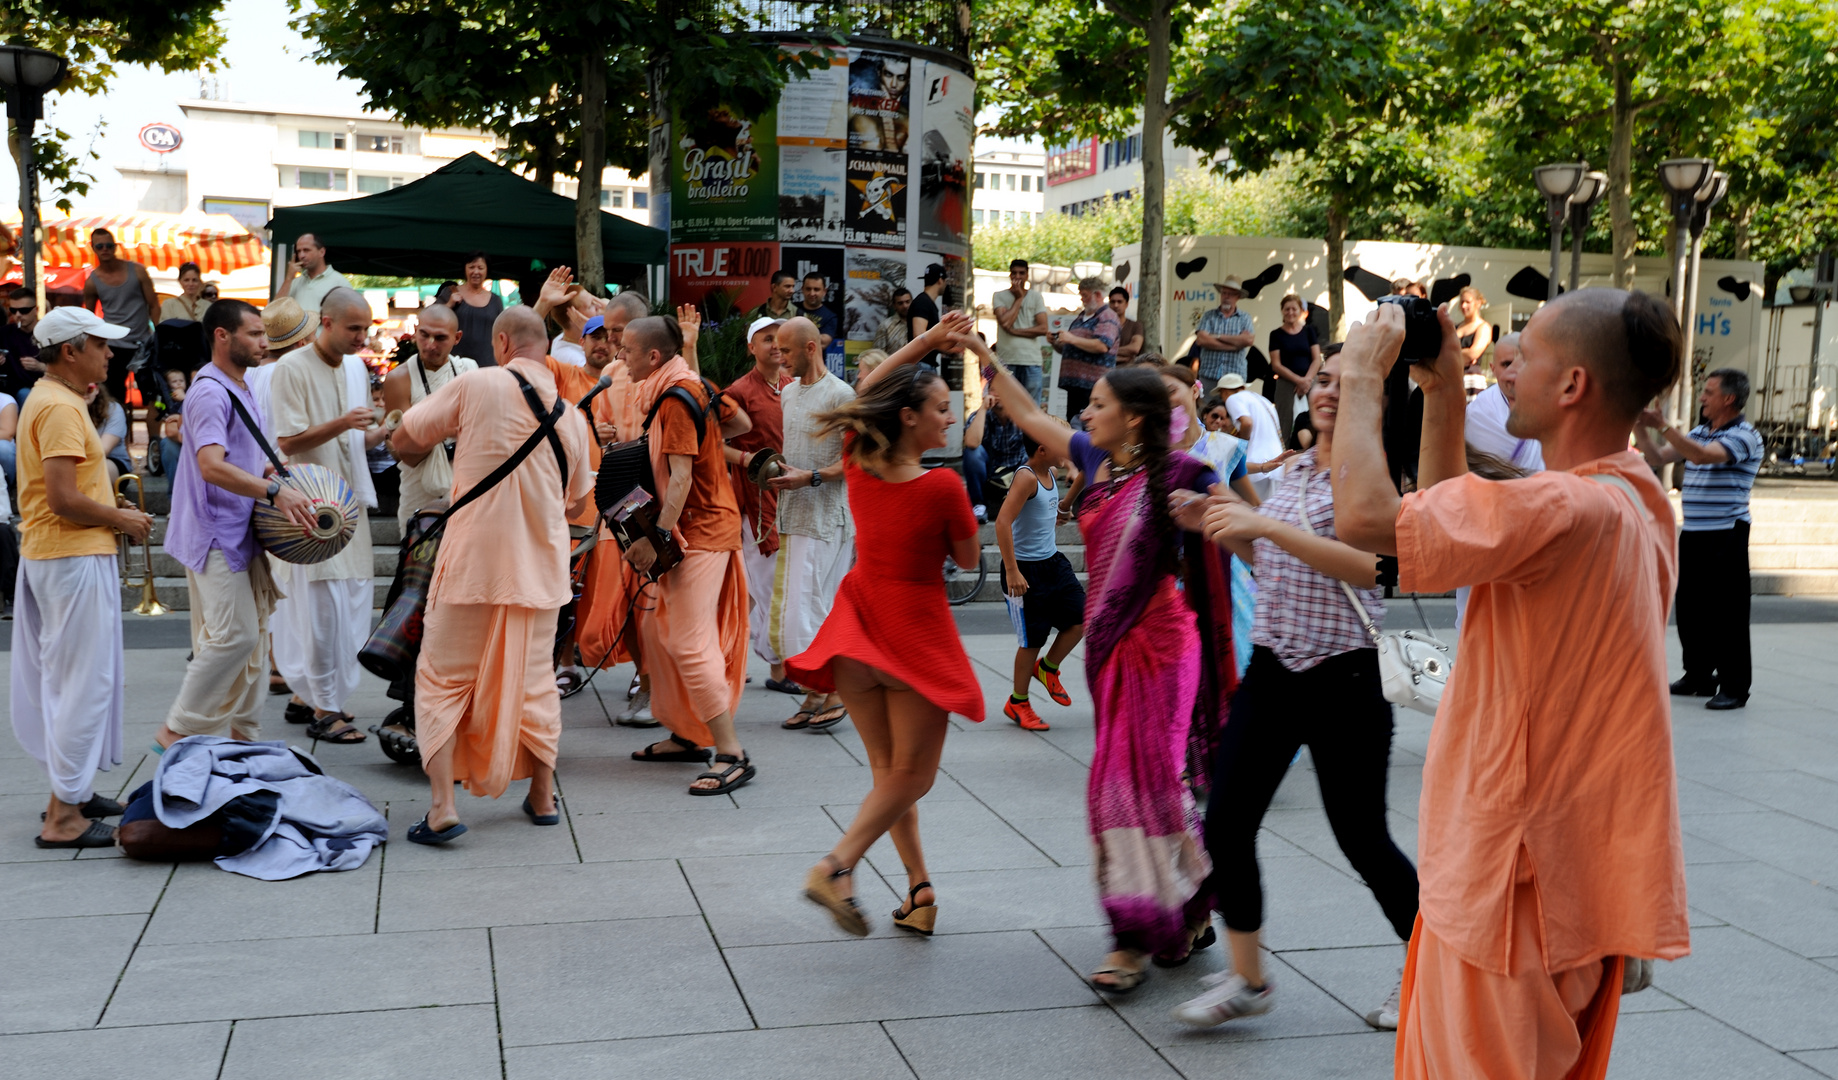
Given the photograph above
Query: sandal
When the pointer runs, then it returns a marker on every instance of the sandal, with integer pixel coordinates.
(920, 918)
(98, 806)
(1196, 942)
(420, 833)
(691, 753)
(725, 779)
(799, 720)
(820, 889)
(97, 835)
(784, 686)
(325, 729)
(568, 680)
(818, 723)
(1123, 980)
(542, 819)
(297, 713)
(277, 683)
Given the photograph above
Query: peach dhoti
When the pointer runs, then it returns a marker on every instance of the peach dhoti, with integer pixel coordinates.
(485, 683)
(694, 636)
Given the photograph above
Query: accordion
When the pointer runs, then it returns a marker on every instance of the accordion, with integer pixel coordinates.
(625, 489)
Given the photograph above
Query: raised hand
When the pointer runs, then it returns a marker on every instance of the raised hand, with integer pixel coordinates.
(689, 318)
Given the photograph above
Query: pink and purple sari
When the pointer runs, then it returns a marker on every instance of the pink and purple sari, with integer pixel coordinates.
(1160, 680)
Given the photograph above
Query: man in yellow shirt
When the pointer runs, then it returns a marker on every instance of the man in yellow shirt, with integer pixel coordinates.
(67, 672)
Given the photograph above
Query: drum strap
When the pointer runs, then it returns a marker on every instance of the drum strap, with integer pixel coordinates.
(256, 431)
(545, 429)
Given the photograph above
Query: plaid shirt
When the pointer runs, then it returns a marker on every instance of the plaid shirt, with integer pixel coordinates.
(1214, 363)
(1302, 614)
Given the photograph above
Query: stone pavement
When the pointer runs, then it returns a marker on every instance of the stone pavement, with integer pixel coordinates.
(659, 936)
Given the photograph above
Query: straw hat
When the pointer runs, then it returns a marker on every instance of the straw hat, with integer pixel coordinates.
(286, 323)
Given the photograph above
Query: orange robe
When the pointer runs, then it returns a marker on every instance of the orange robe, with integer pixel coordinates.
(605, 584)
(485, 682)
(1548, 842)
(694, 635)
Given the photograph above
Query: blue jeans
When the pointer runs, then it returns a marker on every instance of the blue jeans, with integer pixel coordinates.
(1029, 376)
(169, 457)
(976, 472)
(9, 457)
(20, 396)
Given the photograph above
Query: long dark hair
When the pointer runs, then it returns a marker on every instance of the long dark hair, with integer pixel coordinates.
(874, 416)
(1141, 393)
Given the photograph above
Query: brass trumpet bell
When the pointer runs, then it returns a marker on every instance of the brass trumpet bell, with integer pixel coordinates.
(149, 599)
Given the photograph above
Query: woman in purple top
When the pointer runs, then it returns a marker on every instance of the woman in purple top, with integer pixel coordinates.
(222, 471)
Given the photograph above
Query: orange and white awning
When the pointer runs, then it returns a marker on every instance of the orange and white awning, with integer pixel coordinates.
(218, 243)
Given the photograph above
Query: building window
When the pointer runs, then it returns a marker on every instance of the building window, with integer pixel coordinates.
(322, 140)
(619, 200)
(641, 200)
(1027, 182)
(379, 144)
(976, 216)
(979, 181)
(1011, 181)
(320, 179)
(371, 185)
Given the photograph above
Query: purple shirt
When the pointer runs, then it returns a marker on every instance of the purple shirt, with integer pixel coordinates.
(205, 516)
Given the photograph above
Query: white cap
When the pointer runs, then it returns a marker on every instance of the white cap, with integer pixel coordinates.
(764, 322)
(63, 324)
(1231, 380)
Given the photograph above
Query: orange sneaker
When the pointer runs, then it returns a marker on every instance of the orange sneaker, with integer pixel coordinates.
(1050, 679)
(1023, 713)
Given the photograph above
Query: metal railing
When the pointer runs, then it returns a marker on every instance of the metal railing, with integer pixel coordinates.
(941, 24)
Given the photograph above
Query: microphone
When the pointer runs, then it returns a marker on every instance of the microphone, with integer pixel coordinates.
(605, 381)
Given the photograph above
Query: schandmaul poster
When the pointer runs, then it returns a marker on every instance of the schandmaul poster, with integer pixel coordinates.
(875, 194)
(724, 174)
(875, 201)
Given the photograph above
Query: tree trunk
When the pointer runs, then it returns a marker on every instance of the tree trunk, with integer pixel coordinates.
(1742, 237)
(542, 167)
(590, 256)
(1621, 178)
(1154, 124)
(1336, 267)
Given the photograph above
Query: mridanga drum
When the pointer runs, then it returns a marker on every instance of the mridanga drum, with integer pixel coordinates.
(336, 516)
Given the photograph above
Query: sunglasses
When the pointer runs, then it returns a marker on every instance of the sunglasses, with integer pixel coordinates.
(21, 310)
(103, 247)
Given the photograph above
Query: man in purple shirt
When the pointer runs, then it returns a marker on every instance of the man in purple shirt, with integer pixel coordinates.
(222, 471)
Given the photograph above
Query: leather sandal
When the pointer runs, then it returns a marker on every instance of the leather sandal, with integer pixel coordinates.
(1123, 980)
(691, 753)
(325, 729)
(919, 918)
(820, 889)
(726, 779)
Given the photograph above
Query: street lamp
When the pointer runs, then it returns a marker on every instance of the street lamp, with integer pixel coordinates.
(1589, 191)
(1709, 195)
(29, 74)
(1686, 181)
(1558, 182)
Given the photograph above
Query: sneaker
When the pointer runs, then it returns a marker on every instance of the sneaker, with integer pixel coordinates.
(1385, 1017)
(1050, 679)
(1229, 998)
(637, 713)
(982, 514)
(1023, 713)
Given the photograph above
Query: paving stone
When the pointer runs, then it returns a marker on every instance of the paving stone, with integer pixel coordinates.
(530, 895)
(957, 836)
(205, 904)
(1323, 1057)
(1788, 791)
(1773, 904)
(57, 974)
(880, 979)
(1358, 978)
(1065, 839)
(166, 1052)
(668, 834)
(575, 982)
(1049, 786)
(47, 890)
(830, 1052)
(1068, 1044)
(297, 976)
(455, 1043)
(981, 901)
(759, 899)
(497, 834)
(1692, 1046)
(1310, 905)
(1761, 990)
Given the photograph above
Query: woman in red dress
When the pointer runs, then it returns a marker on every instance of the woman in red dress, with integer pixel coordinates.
(890, 646)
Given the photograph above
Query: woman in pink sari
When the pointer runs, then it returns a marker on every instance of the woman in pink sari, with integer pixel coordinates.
(1156, 661)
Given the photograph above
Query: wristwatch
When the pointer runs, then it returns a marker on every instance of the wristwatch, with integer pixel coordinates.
(274, 488)
(816, 479)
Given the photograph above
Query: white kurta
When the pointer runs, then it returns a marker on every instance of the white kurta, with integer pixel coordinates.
(431, 481)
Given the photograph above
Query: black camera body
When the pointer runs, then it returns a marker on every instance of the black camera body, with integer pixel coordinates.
(1422, 330)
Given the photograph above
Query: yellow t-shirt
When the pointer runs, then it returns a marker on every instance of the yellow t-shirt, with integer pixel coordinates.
(54, 423)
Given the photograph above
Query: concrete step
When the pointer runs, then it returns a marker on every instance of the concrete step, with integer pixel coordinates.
(1793, 582)
(172, 592)
(1065, 535)
(384, 532)
(1795, 532)
(383, 563)
(1793, 557)
(1772, 510)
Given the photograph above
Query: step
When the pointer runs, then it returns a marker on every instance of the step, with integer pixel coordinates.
(1793, 556)
(1795, 532)
(383, 563)
(1793, 582)
(172, 592)
(1774, 510)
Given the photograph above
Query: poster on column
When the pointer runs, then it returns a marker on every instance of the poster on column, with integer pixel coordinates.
(830, 264)
(722, 177)
(944, 157)
(875, 202)
(813, 118)
(873, 276)
(880, 95)
(724, 278)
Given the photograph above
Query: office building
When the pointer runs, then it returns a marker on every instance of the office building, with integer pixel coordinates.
(1009, 188)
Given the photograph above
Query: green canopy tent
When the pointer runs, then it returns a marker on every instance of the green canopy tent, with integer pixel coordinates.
(423, 229)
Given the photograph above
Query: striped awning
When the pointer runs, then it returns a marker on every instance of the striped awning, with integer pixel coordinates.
(218, 243)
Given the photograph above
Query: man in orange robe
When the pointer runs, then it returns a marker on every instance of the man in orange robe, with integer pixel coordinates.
(1548, 850)
(486, 707)
(694, 634)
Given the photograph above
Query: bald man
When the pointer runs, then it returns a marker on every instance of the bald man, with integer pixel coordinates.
(1486, 420)
(426, 478)
(1550, 862)
(694, 634)
(319, 408)
(486, 708)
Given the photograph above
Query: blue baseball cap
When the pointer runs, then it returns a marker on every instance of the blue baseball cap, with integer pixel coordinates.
(594, 325)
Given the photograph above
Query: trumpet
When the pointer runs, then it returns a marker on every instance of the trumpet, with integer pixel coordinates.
(149, 602)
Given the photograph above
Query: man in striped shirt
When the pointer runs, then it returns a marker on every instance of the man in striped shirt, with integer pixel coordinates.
(1721, 456)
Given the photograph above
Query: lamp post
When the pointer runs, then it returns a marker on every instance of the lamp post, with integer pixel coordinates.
(29, 74)
(1708, 196)
(1558, 183)
(1589, 191)
(1683, 179)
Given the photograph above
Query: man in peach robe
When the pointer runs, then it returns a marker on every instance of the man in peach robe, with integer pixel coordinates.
(1549, 852)
(694, 632)
(486, 707)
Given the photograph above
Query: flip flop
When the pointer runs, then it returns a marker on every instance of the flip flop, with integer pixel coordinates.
(98, 806)
(691, 753)
(542, 819)
(784, 686)
(800, 720)
(420, 833)
(819, 724)
(326, 730)
(97, 835)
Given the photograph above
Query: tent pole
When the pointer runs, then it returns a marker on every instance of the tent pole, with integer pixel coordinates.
(279, 255)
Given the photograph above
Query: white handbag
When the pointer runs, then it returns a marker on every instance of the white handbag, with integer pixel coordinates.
(1414, 665)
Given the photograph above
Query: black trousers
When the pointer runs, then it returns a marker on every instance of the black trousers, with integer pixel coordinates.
(1338, 710)
(1077, 397)
(1713, 608)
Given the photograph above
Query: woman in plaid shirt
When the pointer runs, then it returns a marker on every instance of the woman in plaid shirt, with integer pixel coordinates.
(1308, 646)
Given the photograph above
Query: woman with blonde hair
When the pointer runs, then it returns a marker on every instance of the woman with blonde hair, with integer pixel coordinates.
(867, 362)
(1474, 332)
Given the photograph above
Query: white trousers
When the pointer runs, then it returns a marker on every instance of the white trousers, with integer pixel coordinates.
(759, 591)
(318, 629)
(805, 577)
(228, 674)
(67, 670)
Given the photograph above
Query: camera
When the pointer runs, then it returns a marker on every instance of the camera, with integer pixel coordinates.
(1422, 330)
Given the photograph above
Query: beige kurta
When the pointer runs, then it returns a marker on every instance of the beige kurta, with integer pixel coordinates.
(425, 484)
(304, 392)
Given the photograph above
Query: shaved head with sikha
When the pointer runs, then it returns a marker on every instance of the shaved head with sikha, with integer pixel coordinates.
(439, 314)
(1625, 345)
(519, 332)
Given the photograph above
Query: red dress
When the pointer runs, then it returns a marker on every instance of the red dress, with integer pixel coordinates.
(891, 612)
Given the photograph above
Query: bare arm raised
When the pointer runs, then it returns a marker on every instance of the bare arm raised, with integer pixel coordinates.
(1020, 406)
(934, 339)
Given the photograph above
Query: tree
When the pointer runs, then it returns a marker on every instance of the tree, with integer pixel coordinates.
(570, 87)
(97, 36)
(1348, 92)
